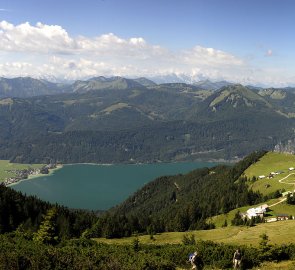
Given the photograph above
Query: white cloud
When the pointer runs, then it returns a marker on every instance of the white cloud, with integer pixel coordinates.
(211, 57)
(48, 50)
(37, 39)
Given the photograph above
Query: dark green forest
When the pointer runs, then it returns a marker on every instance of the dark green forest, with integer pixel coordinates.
(25, 214)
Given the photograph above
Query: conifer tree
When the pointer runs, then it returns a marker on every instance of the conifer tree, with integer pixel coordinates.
(47, 230)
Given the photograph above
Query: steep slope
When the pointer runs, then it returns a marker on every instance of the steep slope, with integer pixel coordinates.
(282, 98)
(21, 118)
(236, 101)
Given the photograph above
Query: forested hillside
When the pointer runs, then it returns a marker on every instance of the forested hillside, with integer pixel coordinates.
(111, 120)
(181, 202)
(26, 214)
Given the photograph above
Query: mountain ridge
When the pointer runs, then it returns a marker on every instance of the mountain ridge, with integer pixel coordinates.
(133, 123)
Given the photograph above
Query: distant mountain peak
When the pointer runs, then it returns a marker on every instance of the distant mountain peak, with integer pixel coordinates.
(236, 96)
(145, 82)
(99, 79)
(26, 87)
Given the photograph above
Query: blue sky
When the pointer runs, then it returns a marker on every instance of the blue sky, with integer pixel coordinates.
(249, 41)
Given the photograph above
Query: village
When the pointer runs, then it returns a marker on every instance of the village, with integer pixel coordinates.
(25, 173)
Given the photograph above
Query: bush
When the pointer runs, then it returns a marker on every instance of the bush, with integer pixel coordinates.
(188, 239)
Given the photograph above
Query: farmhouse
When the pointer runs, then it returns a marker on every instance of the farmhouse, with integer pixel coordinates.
(282, 216)
(261, 176)
(257, 212)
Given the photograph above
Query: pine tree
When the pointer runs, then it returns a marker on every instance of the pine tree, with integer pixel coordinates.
(47, 230)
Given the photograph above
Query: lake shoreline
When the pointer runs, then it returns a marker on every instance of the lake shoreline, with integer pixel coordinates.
(84, 186)
(60, 166)
(219, 161)
(34, 176)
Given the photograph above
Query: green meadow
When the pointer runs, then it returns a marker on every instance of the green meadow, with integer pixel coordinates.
(272, 162)
(281, 232)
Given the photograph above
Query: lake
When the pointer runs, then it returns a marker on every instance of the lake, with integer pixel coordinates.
(94, 187)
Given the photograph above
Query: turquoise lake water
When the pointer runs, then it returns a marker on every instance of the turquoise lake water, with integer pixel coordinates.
(94, 187)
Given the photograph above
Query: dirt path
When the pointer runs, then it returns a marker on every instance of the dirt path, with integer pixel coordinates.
(282, 180)
(282, 200)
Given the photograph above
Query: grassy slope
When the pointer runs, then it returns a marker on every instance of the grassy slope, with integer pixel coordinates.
(6, 165)
(272, 162)
(268, 163)
(278, 232)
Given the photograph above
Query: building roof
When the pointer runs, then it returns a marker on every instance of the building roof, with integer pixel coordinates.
(282, 215)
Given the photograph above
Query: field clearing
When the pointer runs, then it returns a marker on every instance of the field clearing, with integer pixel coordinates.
(6, 165)
(281, 232)
(272, 162)
(115, 107)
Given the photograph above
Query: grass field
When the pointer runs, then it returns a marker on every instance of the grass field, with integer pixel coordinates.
(283, 208)
(280, 232)
(272, 162)
(6, 165)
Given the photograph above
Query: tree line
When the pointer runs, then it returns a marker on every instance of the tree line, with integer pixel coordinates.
(25, 213)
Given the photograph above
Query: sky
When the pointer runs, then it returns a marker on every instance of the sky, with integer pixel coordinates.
(243, 41)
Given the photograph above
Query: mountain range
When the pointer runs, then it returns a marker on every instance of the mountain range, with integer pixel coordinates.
(116, 119)
(29, 87)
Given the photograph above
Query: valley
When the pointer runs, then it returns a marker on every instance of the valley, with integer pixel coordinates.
(147, 135)
(128, 122)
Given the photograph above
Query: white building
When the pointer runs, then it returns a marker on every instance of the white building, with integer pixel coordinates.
(257, 212)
